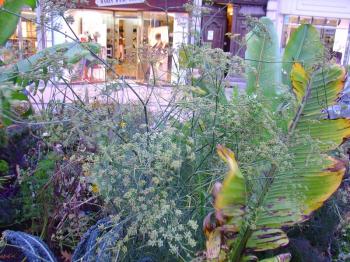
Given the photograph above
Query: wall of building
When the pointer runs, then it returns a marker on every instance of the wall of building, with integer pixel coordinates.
(279, 11)
(327, 8)
(274, 13)
(149, 5)
(276, 9)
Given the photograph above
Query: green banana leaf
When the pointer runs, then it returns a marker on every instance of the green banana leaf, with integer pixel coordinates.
(245, 224)
(287, 197)
(304, 47)
(8, 21)
(263, 61)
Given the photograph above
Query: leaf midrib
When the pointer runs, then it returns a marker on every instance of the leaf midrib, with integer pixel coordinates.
(235, 256)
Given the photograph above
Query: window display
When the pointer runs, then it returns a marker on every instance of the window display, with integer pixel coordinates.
(91, 26)
(24, 41)
(124, 37)
(158, 32)
(126, 43)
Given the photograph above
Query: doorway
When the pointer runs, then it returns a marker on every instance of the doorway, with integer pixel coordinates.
(214, 26)
(126, 43)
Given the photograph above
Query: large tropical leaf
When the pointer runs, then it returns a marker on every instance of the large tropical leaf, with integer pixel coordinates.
(282, 197)
(287, 197)
(263, 59)
(305, 47)
(233, 192)
(8, 21)
(230, 201)
(315, 175)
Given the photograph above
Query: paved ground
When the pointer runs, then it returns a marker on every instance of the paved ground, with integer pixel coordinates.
(158, 98)
(124, 93)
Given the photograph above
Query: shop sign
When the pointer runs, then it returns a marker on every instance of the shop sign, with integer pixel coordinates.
(117, 2)
(210, 36)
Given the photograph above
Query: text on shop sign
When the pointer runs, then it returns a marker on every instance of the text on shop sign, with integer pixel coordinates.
(117, 2)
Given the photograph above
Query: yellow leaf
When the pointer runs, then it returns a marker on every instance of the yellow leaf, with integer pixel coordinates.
(333, 177)
(300, 79)
(95, 188)
(229, 157)
(231, 198)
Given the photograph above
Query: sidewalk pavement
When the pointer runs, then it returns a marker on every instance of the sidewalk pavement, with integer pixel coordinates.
(122, 92)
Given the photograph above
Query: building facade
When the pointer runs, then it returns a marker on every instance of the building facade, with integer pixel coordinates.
(121, 29)
(225, 25)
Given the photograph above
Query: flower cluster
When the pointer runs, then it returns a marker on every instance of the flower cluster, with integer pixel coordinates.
(141, 181)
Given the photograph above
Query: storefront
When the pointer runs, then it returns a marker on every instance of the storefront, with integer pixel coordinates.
(127, 34)
(23, 43)
(330, 18)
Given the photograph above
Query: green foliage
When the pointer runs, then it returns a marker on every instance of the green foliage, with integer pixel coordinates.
(8, 21)
(251, 210)
(141, 179)
(150, 171)
(10, 97)
(262, 55)
(339, 211)
(304, 47)
(37, 194)
(253, 147)
(4, 167)
(344, 240)
(157, 180)
(206, 70)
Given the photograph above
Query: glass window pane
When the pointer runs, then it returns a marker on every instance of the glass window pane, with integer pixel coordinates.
(23, 42)
(305, 19)
(293, 19)
(332, 22)
(319, 21)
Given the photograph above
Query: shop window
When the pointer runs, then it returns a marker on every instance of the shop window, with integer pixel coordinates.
(332, 22)
(157, 39)
(91, 26)
(319, 21)
(132, 39)
(157, 22)
(23, 43)
(305, 19)
(127, 27)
